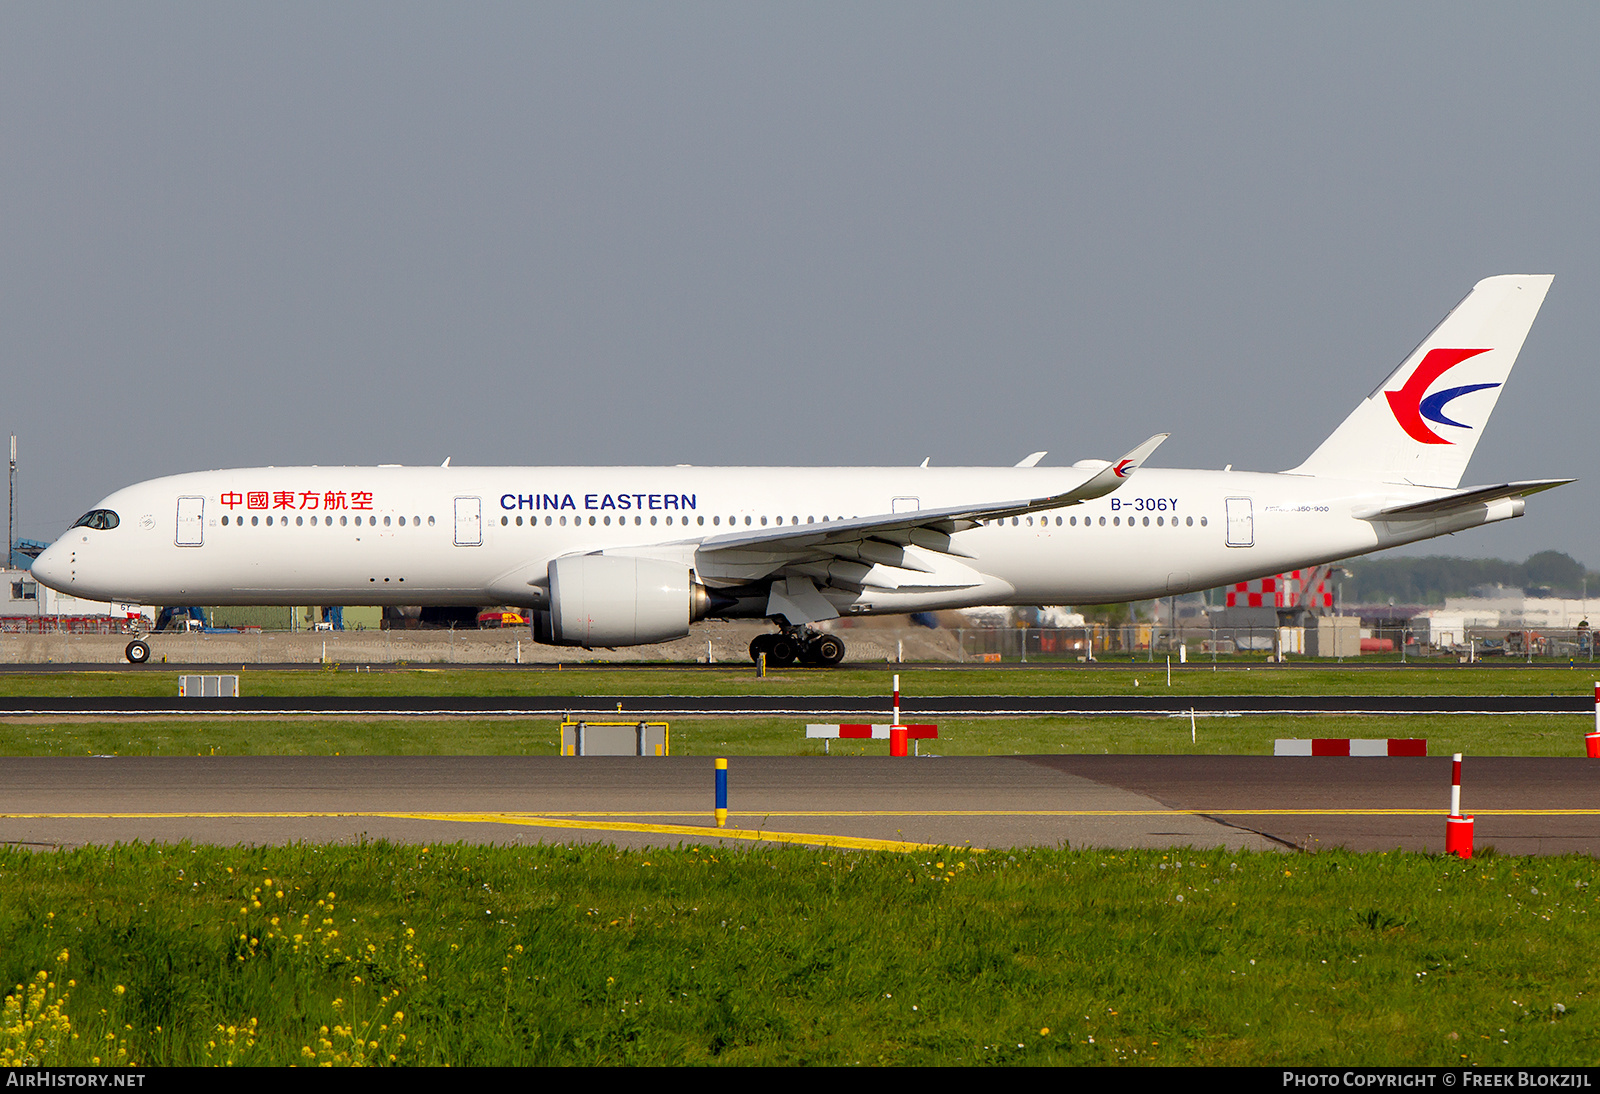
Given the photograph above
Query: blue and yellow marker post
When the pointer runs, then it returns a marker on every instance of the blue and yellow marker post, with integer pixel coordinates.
(722, 793)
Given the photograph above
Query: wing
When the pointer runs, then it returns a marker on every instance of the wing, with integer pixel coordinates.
(908, 552)
(899, 527)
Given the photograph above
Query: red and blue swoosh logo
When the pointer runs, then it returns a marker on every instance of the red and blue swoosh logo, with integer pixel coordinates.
(1411, 404)
(1123, 469)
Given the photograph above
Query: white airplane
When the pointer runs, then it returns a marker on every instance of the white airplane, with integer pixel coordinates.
(618, 556)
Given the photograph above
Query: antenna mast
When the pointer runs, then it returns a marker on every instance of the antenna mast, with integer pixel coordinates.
(11, 520)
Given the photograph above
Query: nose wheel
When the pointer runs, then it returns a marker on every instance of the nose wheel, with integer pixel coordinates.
(797, 644)
(138, 651)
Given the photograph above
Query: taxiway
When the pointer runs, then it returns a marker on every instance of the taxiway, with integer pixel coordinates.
(1524, 805)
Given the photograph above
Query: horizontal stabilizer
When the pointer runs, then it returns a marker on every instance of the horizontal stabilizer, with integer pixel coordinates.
(1461, 499)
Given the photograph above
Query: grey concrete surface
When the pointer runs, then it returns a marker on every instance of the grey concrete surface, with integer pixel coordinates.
(1524, 805)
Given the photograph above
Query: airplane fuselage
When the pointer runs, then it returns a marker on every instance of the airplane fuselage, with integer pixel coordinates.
(480, 536)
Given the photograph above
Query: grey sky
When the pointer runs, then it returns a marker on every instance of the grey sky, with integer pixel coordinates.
(761, 233)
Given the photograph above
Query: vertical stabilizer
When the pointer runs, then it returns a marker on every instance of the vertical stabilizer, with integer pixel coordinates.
(1421, 425)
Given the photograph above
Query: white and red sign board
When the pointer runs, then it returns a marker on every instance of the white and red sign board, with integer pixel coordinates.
(848, 731)
(1348, 746)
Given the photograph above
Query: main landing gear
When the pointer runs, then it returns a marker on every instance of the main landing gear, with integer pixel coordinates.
(797, 644)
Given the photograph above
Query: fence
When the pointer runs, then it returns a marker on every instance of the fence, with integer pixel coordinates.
(57, 624)
(1196, 642)
(96, 640)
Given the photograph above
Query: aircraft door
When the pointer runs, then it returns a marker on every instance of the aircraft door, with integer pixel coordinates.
(1241, 523)
(469, 522)
(905, 505)
(191, 522)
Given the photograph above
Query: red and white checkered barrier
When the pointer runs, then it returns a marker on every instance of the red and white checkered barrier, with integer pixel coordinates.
(846, 731)
(898, 734)
(1351, 746)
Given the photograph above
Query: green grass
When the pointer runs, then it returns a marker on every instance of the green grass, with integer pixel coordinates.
(1193, 679)
(593, 955)
(1527, 735)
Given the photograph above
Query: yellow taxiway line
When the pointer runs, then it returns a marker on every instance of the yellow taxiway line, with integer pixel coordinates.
(1087, 813)
(563, 816)
(620, 821)
(858, 843)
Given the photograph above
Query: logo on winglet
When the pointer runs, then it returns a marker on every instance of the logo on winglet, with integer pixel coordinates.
(1123, 469)
(1411, 404)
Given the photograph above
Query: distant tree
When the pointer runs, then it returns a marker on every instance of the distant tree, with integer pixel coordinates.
(1561, 572)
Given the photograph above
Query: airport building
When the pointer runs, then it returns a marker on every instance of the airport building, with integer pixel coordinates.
(29, 606)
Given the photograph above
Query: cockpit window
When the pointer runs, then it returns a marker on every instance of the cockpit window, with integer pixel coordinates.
(103, 519)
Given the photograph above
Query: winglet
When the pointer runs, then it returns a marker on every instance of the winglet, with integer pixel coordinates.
(1118, 472)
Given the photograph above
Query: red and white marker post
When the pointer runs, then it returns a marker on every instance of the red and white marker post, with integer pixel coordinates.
(897, 732)
(1592, 741)
(1457, 829)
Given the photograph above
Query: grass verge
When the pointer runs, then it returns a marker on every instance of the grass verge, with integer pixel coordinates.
(592, 955)
(1123, 679)
(1477, 735)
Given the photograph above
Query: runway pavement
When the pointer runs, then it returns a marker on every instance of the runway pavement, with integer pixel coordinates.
(1523, 805)
(818, 706)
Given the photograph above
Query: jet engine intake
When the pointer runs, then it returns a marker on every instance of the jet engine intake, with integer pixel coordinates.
(616, 600)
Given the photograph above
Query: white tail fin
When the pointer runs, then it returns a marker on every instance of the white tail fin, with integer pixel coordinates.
(1422, 423)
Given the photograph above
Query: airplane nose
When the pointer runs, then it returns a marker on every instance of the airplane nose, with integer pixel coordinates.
(52, 568)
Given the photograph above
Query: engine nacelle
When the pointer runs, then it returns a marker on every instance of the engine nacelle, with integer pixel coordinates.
(615, 600)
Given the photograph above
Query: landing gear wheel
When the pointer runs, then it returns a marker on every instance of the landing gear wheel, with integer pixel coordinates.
(827, 650)
(782, 651)
(138, 652)
(761, 644)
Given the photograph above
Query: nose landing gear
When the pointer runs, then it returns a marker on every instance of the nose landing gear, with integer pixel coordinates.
(801, 644)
